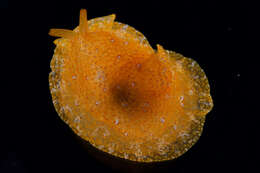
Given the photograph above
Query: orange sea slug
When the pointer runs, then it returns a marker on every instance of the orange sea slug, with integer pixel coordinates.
(115, 91)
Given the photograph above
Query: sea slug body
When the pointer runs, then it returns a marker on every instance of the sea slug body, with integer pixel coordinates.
(127, 99)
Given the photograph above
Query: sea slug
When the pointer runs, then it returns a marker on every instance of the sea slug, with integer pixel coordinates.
(127, 99)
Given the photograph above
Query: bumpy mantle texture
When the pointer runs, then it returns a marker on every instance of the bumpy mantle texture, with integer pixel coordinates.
(110, 86)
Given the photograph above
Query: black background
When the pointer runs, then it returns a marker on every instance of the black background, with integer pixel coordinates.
(216, 34)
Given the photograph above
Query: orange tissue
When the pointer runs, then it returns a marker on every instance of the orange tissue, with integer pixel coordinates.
(125, 98)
